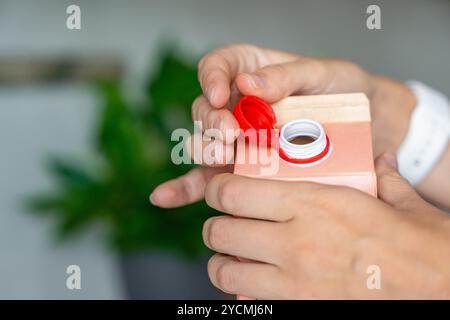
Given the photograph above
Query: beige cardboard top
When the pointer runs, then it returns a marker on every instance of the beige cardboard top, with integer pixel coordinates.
(330, 108)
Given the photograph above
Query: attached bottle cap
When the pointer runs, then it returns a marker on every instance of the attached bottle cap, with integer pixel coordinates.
(254, 113)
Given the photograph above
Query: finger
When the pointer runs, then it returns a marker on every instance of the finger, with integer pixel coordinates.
(397, 192)
(392, 187)
(274, 82)
(218, 69)
(252, 279)
(209, 151)
(216, 72)
(212, 118)
(259, 198)
(184, 190)
(247, 238)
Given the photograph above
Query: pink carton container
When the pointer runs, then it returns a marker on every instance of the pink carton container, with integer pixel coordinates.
(338, 146)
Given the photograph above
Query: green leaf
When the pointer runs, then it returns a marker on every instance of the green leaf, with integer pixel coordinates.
(69, 173)
(133, 144)
(171, 90)
(120, 138)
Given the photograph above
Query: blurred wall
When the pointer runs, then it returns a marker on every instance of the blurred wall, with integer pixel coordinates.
(414, 43)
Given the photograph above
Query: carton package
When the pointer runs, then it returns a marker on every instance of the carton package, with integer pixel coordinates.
(322, 138)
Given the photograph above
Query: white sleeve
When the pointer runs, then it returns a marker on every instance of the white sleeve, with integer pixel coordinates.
(428, 133)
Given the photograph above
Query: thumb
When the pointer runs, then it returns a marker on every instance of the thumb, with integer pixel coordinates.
(277, 81)
(392, 187)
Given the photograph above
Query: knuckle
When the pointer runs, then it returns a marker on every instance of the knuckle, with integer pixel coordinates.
(320, 68)
(291, 196)
(317, 64)
(353, 66)
(218, 61)
(407, 200)
(209, 118)
(227, 195)
(331, 200)
(219, 54)
(302, 254)
(275, 75)
(279, 69)
(321, 71)
(389, 177)
(239, 51)
(203, 61)
(196, 107)
(331, 193)
(217, 234)
(211, 75)
(322, 193)
(187, 187)
(226, 277)
(210, 193)
(211, 266)
(232, 47)
(305, 250)
(245, 48)
(206, 233)
(204, 68)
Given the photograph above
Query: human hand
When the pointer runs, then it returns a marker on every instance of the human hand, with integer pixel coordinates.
(305, 240)
(241, 69)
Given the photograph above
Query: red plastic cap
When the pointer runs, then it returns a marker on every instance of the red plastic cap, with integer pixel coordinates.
(254, 113)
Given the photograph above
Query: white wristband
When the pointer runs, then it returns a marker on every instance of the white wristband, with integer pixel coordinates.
(428, 133)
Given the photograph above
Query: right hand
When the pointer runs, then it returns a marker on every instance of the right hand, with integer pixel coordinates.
(227, 73)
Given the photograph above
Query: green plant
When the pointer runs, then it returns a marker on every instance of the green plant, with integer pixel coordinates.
(133, 144)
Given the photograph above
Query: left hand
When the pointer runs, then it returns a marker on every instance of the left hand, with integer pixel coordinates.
(305, 240)
(227, 73)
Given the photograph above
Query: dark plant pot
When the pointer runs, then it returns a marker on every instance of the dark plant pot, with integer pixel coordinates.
(159, 275)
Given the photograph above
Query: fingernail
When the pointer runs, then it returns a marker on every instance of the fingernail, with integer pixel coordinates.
(152, 199)
(256, 81)
(391, 159)
(211, 93)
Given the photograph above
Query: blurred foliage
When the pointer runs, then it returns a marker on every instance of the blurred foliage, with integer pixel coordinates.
(133, 142)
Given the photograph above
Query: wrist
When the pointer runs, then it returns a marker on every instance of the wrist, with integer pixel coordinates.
(392, 104)
(428, 133)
